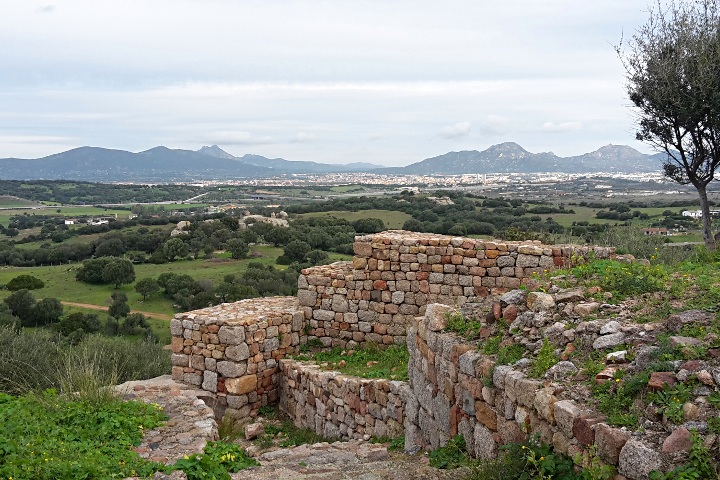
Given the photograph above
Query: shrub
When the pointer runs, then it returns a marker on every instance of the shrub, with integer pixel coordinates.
(34, 360)
(27, 282)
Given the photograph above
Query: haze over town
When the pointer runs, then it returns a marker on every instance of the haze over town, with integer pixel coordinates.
(327, 81)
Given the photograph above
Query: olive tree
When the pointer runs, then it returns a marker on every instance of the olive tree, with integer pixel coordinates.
(672, 66)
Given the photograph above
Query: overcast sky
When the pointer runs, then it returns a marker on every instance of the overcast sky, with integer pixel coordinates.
(389, 82)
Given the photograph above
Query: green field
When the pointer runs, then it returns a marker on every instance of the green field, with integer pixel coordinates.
(10, 202)
(393, 220)
(586, 214)
(60, 280)
(71, 212)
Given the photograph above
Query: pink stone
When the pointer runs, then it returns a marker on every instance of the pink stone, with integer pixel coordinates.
(678, 441)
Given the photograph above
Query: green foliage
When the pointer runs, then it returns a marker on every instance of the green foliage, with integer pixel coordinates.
(85, 322)
(394, 444)
(46, 436)
(92, 270)
(34, 360)
(297, 251)
(616, 398)
(119, 307)
(118, 272)
(670, 401)
(510, 354)
(368, 225)
(452, 455)
(147, 286)
(27, 282)
(217, 459)
(714, 425)
(371, 361)
(282, 431)
(45, 312)
(21, 304)
(237, 247)
(459, 324)
(622, 279)
(546, 358)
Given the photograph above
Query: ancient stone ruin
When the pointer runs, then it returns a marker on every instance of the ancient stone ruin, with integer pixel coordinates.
(397, 290)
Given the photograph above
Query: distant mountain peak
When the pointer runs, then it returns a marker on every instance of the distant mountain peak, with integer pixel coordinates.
(215, 151)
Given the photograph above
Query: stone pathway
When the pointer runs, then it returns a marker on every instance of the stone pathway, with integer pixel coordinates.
(191, 425)
(343, 460)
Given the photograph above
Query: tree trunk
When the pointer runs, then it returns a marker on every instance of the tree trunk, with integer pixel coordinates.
(706, 219)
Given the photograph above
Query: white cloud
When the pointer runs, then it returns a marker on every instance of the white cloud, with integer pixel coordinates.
(303, 137)
(46, 9)
(495, 125)
(561, 127)
(460, 129)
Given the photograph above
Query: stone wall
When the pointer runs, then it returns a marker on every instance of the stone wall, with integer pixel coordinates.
(458, 390)
(340, 406)
(232, 350)
(395, 274)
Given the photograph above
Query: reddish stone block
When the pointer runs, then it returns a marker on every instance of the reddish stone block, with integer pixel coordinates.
(510, 313)
(658, 380)
(609, 442)
(496, 310)
(455, 417)
(582, 428)
(485, 414)
(481, 291)
(678, 441)
(380, 285)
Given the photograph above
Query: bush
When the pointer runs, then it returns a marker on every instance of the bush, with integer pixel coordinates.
(27, 282)
(32, 360)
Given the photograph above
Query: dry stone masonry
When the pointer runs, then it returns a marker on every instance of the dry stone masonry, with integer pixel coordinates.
(397, 290)
(232, 350)
(339, 406)
(394, 274)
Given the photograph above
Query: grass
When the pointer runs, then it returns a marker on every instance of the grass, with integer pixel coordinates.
(393, 220)
(10, 202)
(60, 280)
(278, 431)
(368, 362)
(46, 436)
(34, 360)
(89, 432)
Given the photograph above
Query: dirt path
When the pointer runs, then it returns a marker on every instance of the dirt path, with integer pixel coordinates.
(159, 316)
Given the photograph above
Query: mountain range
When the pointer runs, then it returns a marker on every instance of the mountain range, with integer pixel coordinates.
(161, 164)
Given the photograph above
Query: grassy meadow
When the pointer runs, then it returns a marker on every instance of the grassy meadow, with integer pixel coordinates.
(60, 282)
(393, 220)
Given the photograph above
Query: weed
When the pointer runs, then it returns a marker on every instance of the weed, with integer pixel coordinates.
(714, 425)
(670, 401)
(594, 468)
(622, 279)
(714, 399)
(47, 436)
(216, 461)
(510, 354)
(616, 398)
(452, 455)
(546, 358)
(394, 444)
(230, 429)
(459, 324)
(268, 412)
(372, 361)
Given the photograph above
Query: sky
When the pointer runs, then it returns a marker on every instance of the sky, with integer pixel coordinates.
(336, 81)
